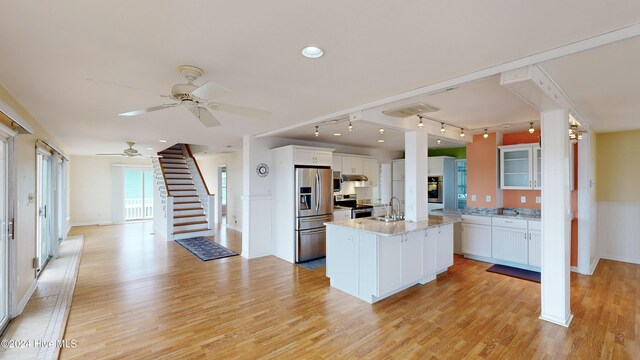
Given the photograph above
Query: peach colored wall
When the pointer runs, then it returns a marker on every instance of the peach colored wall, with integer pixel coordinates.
(482, 168)
(511, 198)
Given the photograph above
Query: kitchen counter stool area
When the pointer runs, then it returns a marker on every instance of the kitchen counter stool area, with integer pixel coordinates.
(372, 260)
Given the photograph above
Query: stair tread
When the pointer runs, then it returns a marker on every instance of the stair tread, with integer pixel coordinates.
(188, 209)
(187, 216)
(190, 231)
(190, 223)
(187, 202)
(183, 195)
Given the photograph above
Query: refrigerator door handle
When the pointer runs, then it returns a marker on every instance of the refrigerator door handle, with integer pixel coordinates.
(317, 189)
(319, 193)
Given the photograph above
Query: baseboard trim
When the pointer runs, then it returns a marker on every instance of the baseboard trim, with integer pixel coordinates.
(594, 264)
(575, 269)
(620, 258)
(25, 299)
(557, 321)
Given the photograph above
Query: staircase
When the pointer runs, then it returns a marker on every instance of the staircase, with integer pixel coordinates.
(187, 204)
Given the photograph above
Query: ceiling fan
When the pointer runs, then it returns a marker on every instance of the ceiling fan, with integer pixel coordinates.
(130, 152)
(198, 99)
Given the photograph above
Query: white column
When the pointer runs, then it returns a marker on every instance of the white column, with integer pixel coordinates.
(256, 200)
(416, 147)
(556, 224)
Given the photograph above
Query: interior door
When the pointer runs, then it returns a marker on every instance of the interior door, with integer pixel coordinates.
(4, 243)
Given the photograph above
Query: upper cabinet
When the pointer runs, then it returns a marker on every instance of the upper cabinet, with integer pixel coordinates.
(352, 165)
(520, 167)
(336, 163)
(436, 166)
(306, 156)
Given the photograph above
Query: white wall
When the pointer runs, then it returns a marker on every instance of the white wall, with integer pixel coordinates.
(209, 167)
(91, 184)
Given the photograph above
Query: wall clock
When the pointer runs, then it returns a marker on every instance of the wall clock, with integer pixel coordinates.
(262, 169)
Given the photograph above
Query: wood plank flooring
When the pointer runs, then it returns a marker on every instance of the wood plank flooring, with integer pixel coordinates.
(141, 297)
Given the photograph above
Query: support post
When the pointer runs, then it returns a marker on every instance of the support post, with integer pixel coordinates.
(416, 170)
(556, 223)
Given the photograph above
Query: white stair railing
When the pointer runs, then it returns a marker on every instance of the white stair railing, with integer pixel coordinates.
(206, 199)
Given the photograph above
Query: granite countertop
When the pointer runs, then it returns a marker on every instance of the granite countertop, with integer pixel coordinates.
(510, 215)
(394, 228)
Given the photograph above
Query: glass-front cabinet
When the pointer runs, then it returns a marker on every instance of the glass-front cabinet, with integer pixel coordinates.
(520, 167)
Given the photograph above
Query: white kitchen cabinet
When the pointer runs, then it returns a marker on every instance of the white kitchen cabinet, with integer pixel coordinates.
(397, 169)
(412, 257)
(312, 157)
(436, 166)
(336, 163)
(389, 263)
(444, 247)
(352, 165)
(520, 167)
(535, 243)
(476, 239)
(371, 170)
(510, 244)
(341, 214)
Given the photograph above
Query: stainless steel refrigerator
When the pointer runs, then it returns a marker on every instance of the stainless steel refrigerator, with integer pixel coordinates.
(314, 207)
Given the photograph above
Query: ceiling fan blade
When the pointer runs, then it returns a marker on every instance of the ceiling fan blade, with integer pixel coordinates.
(240, 110)
(121, 154)
(210, 91)
(205, 116)
(144, 111)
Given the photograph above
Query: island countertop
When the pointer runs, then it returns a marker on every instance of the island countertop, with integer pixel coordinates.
(394, 228)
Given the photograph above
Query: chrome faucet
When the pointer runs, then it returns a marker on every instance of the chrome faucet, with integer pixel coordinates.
(397, 214)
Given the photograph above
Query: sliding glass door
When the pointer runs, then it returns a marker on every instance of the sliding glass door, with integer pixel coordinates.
(138, 194)
(44, 196)
(4, 243)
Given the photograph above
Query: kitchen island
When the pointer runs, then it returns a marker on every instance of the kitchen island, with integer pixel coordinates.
(372, 259)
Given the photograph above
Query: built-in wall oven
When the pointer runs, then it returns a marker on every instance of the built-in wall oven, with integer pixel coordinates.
(434, 189)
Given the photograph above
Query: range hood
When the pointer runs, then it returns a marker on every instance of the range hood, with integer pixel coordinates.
(354, 178)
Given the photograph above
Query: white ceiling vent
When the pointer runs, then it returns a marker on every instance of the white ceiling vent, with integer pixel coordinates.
(410, 110)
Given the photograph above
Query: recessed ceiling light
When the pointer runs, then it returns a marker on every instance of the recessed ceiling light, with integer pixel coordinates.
(312, 52)
(162, 141)
(337, 134)
(380, 140)
(149, 148)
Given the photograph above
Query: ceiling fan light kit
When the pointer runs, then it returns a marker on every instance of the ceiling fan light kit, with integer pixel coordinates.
(197, 99)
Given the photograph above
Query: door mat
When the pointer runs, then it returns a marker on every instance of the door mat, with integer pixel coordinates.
(515, 272)
(314, 264)
(205, 249)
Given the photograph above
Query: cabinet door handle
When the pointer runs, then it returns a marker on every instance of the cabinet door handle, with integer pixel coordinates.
(529, 183)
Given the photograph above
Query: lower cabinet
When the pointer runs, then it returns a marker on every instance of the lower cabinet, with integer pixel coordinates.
(372, 267)
(510, 244)
(343, 214)
(535, 247)
(476, 239)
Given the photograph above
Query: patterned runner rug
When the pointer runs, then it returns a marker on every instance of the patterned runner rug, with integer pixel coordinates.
(205, 249)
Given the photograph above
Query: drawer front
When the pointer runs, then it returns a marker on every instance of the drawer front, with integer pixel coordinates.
(510, 223)
(476, 219)
(535, 225)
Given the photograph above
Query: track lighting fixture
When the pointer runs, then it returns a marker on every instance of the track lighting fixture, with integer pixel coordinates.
(485, 135)
(442, 127)
(438, 141)
(531, 129)
(350, 127)
(420, 124)
(461, 132)
(317, 133)
(579, 136)
(381, 131)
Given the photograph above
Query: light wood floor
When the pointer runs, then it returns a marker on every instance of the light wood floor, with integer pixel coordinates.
(141, 297)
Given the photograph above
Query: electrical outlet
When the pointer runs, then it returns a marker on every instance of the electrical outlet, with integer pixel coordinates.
(538, 200)
(523, 199)
(487, 198)
(473, 198)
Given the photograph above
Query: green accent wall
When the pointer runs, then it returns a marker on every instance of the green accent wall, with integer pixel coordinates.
(458, 152)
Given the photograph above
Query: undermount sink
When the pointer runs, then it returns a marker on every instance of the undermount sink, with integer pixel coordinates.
(387, 219)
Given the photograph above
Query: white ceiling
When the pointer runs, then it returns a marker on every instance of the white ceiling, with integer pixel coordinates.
(604, 84)
(60, 59)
